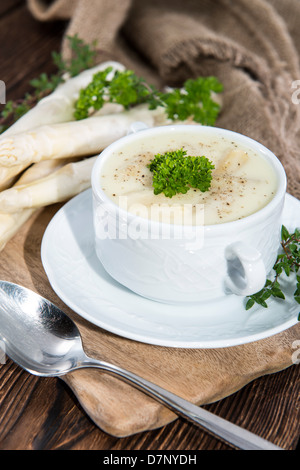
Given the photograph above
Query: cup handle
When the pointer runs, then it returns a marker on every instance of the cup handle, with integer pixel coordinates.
(246, 272)
(136, 127)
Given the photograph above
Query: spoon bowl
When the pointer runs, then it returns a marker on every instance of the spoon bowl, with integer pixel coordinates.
(42, 339)
(37, 335)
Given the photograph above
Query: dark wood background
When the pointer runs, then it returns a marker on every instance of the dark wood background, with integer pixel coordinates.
(42, 413)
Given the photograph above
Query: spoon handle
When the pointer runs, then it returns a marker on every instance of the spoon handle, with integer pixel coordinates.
(228, 432)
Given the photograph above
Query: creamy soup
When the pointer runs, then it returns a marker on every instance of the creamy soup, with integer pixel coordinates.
(243, 181)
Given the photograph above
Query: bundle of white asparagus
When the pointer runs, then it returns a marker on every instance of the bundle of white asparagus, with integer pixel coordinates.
(47, 156)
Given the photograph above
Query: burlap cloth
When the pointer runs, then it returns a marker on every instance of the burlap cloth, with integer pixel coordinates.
(252, 46)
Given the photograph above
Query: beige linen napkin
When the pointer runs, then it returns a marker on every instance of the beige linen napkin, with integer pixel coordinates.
(252, 47)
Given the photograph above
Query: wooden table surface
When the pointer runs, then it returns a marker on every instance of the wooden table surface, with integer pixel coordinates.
(43, 413)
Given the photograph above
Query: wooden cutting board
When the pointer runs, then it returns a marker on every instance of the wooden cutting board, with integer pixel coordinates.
(201, 376)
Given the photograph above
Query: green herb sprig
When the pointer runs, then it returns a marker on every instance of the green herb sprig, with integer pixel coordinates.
(287, 262)
(126, 88)
(194, 100)
(175, 172)
(82, 57)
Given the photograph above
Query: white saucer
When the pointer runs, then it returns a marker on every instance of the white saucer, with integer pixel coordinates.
(79, 279)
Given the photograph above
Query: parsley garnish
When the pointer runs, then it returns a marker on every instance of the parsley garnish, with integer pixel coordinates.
(175, 172)
(124, 87)
(194, 100)
(287, 262)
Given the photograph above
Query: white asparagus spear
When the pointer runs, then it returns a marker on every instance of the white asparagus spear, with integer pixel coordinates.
(41, 169)
(8, 175)
(11, 223)
(38, 170)
(59, 105)
(78, 138)
(54, 108)
(232, 162)
(58, 186)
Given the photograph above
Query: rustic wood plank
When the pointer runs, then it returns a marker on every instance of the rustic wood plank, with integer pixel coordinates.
(251, 407)
(26, 49)
(9, 6)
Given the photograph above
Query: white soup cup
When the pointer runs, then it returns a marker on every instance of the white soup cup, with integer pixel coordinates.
(190, 264)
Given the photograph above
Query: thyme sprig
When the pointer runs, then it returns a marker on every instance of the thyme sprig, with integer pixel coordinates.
(82, 57)
(288, 261)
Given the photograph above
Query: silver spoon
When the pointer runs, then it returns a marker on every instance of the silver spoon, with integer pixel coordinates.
(43, 340)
